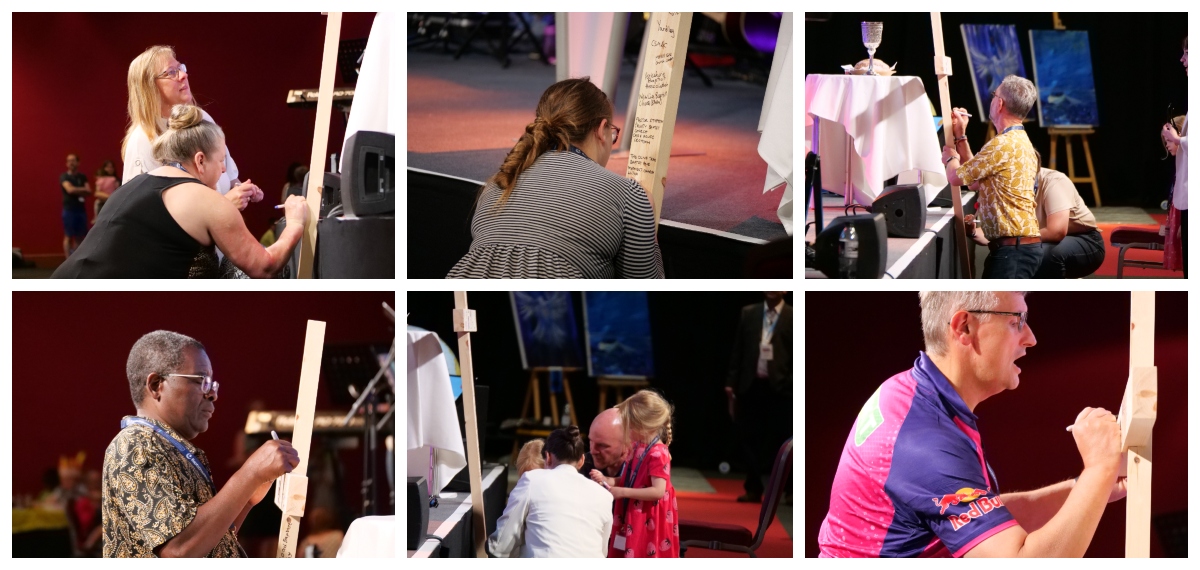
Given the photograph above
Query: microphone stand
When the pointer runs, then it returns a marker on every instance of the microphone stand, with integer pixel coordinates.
(367, 401)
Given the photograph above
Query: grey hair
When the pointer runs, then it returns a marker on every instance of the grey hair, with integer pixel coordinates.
(1019, 95)
(159, 352)
(938, 307)
(187, 133)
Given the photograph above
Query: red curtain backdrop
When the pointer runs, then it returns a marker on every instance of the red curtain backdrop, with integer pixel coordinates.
(855, 341)
(69, 390)
(69, 96)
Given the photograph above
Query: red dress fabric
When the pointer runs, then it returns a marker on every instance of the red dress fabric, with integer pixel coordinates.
(650, 528)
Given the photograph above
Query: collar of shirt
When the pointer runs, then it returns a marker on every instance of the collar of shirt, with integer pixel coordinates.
(166, 428)
(945, 396)
(778, 308)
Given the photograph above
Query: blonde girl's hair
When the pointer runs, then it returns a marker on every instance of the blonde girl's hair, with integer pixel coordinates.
(530, 456)
(646, 412)
(187, 133)
(567, 112)
(145, 101)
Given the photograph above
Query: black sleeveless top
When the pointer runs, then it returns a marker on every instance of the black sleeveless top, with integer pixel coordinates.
(135, 237)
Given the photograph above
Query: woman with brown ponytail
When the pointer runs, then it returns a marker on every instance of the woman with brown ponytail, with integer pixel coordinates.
(553, 210)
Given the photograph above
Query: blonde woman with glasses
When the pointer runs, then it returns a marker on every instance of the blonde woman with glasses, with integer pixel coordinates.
(157, 82)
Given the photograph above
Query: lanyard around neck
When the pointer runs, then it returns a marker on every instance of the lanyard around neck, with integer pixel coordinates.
(191, 457)
(1014, 128)
(632, 476)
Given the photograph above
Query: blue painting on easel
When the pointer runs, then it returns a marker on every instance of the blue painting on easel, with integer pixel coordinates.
(993, 53)
(617, 325)
(547, 331)
(1062, 70)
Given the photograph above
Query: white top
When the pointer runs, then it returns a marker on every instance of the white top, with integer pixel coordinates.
(890, 126)
(1180, 197)
(139, 159)
(554, 513)
(370, 537)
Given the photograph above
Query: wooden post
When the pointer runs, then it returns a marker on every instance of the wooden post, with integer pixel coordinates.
(291, 490)
(658, 101)
(941, 66)
(464, 325)
(1138, 411)
(316, 168)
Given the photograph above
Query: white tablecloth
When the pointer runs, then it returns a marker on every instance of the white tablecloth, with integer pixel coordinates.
(775, 123)
(432, 420)
(370, 537)
(890, 124)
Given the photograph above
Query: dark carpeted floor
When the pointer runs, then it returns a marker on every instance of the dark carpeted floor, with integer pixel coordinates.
(465, 115)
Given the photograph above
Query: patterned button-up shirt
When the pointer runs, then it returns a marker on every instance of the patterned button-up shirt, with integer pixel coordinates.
(1005, 168)
(151, 492)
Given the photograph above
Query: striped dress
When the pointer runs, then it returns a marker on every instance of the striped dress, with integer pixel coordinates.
(566, 218)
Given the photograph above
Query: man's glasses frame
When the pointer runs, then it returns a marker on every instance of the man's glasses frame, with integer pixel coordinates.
(1020, 327)
(207, 384)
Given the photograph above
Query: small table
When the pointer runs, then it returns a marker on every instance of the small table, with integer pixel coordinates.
(871, 128)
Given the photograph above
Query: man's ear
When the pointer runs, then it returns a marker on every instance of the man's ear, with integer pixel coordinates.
(154, 384)
(960, 328)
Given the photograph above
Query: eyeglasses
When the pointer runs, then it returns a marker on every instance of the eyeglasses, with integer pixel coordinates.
(1020, 327)
(173, 73)
(616, 133)
(207, 384)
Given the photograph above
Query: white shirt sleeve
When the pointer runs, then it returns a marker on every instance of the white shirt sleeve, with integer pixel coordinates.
(510, 529)
(138, 158)
(225, 183)
(1180, 195)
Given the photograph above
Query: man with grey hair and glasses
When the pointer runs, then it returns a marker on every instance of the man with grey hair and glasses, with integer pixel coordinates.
(1003, 173)
(158, 497)
(913, 479)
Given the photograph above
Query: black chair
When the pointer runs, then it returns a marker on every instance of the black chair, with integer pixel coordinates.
(735, 538)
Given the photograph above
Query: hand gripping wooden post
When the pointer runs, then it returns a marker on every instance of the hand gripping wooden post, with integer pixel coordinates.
(316, 168)
(1139, 408)
(658, 101)
(291, 490)
(941, 66)
(464, 325)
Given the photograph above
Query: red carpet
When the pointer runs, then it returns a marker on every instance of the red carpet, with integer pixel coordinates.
(1109, 269)
(723, 507)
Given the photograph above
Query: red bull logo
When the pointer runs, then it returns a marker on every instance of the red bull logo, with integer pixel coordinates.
(980, 505)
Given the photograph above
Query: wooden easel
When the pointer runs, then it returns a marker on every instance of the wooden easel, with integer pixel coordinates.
(291, 489)
(1138, 411)
(316, 180)
(464, 325)
(658, 102)
(618, 385)
(1087, 154)
(533, 395)
(941, 66)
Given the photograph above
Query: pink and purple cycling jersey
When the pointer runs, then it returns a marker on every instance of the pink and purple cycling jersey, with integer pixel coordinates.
(912, 480)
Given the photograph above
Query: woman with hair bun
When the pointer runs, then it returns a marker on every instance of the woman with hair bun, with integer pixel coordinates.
(166, 223)
(555, 512)
(553, 210)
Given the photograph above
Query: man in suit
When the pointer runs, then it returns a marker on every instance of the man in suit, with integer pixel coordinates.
(553, 512)
(759, 387)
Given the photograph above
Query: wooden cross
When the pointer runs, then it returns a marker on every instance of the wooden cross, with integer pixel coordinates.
(1139, 408)
(291, 490)
(658, 101)
(316, 168)
(464, 325)
(941, 65)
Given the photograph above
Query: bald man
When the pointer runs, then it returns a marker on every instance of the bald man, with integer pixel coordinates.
(607, 439)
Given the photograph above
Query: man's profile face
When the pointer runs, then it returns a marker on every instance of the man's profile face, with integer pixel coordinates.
(773, 297)
(1000, 344)
(607, 444)
(183, 405)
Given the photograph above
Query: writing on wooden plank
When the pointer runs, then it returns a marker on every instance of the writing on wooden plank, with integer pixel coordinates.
(658, 102)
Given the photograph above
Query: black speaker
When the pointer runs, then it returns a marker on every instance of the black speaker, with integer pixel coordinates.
(331, 193)
(903, 209)
(369, 174)
(418, 511)
(872, 246)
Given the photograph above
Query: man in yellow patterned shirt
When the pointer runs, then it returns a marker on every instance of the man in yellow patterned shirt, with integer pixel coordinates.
(158, 497)
(1003, 174)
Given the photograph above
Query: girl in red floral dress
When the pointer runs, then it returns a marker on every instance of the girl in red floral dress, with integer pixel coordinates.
(646, 515)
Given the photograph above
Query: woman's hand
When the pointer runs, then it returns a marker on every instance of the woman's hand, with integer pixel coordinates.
(295, 210)
(244, 193)
(1169, 133)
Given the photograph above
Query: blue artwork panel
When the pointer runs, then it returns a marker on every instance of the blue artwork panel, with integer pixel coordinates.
(618, 333)
(546, 329)
(1062, 70)
(993, 53)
